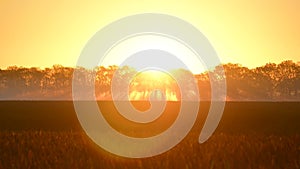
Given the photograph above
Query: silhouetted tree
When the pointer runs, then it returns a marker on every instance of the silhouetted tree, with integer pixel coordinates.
(268, 82)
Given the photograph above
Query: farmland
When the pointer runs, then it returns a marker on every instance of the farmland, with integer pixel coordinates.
(250, 135)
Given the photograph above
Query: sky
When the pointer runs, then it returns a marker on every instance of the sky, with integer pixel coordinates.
(252, 33)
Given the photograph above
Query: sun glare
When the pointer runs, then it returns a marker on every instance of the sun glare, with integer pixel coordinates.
(126, 48)
(154, 85)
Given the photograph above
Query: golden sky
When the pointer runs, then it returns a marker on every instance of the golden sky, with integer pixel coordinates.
(43, 33)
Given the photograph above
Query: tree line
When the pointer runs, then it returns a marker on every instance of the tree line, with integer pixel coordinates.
(271, 82)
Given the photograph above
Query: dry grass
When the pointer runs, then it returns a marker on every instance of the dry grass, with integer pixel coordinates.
(48, 149)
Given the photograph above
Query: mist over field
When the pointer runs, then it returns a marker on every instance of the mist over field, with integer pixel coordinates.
(271, 82)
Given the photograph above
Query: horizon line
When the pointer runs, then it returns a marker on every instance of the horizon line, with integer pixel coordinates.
(107, 66)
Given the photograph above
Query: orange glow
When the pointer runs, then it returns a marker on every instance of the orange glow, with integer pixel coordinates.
(45, 33)
(155, 85)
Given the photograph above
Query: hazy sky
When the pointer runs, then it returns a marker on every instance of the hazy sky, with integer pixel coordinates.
(43, 33)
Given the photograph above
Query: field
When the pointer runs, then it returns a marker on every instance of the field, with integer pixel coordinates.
(250, 135)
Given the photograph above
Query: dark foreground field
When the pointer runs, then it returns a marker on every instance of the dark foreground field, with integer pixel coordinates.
(250, 135)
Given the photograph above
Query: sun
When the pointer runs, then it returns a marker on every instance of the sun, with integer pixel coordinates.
(128, 47)
(154, 85)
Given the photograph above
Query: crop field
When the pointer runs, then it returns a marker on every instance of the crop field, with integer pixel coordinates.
(250, 135)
